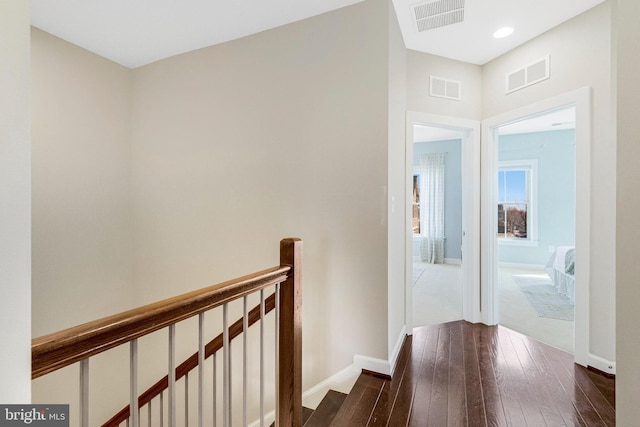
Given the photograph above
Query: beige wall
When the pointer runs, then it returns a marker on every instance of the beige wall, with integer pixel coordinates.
(15, 194)
(580, 57)
(279, 134)
(627, 203)
(81, 185)
(81, 223)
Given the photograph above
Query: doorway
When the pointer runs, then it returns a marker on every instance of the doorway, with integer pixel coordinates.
(536, 226)
(437, 225)
(465, 259)
(494, 222)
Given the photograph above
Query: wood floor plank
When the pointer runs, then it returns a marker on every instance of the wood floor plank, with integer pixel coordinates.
(598, 401)
(326, 410)
(457, 398)
(438, 404)
(584, 387)
(353, 401)
(602, 406)
(517, 379)
(486, 344)
(539, 383)
(506, 384)
(419, 414)
(473, 384)
(406, 389)
(580, 400)
(371, 396)
(562, 400)
(606, 385)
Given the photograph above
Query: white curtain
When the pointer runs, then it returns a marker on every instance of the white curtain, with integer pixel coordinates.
(432, 201)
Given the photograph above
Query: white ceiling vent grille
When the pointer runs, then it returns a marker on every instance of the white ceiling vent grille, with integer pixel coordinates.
(445, 88)
(438, 13)
(528, 75)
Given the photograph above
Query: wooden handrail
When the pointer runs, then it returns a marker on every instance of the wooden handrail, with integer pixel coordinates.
(191, 363)
(60, 349)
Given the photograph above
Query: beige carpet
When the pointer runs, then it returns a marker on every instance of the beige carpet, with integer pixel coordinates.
(437, 294)
(437, 298)
(518, 314)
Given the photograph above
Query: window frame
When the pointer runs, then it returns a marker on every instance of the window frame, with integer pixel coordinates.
(530, 166)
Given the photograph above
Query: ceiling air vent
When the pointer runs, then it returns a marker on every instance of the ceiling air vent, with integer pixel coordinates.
(445, 88)
(528, 75)
(438, 13)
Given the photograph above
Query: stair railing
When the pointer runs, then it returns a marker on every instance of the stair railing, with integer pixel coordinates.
(78, 344)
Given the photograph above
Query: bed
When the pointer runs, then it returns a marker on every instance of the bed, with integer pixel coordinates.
(561, 269)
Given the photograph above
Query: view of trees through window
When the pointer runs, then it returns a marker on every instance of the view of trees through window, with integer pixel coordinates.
(416, 204)
(513, 200)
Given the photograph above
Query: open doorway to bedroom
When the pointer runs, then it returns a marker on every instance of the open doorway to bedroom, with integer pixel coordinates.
(536, 222)
(437, 225)
(464, 300)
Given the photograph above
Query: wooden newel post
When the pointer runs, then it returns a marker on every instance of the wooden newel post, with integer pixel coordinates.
(289, 413)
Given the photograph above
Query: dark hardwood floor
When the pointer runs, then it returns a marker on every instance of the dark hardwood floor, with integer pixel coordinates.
(462, 374)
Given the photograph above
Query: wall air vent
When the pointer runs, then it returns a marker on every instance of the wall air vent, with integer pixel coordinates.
(438, 13)
(528, 75)
(445, 88)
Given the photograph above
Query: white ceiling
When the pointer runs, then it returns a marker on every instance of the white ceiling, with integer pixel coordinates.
(472, 40)
(137, 32)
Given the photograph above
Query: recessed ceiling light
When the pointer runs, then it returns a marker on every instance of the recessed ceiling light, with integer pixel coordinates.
(503, 32)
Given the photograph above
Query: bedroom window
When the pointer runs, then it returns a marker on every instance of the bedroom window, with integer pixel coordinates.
(516, 201)
(416, 204)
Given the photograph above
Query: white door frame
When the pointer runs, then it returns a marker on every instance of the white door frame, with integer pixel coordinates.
(581, 99)
(470, 211)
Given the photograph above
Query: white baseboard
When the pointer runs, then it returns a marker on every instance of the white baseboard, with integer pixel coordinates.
(269, 419)
(602, 364)
(520, 265)
(342, 381)
(454, 261)
(393, 358)
(372, 364)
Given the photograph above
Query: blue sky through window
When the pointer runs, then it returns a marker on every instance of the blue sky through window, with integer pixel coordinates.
(512, 185)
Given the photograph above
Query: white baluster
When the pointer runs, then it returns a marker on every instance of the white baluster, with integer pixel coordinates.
(161, 409)
(201, 370)
(84, 393)
(172, 376)
(245, 329)
(277, 342)
(133, 383)
(186, 399)
(226, 374)
(262, 315)
(215, 396)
